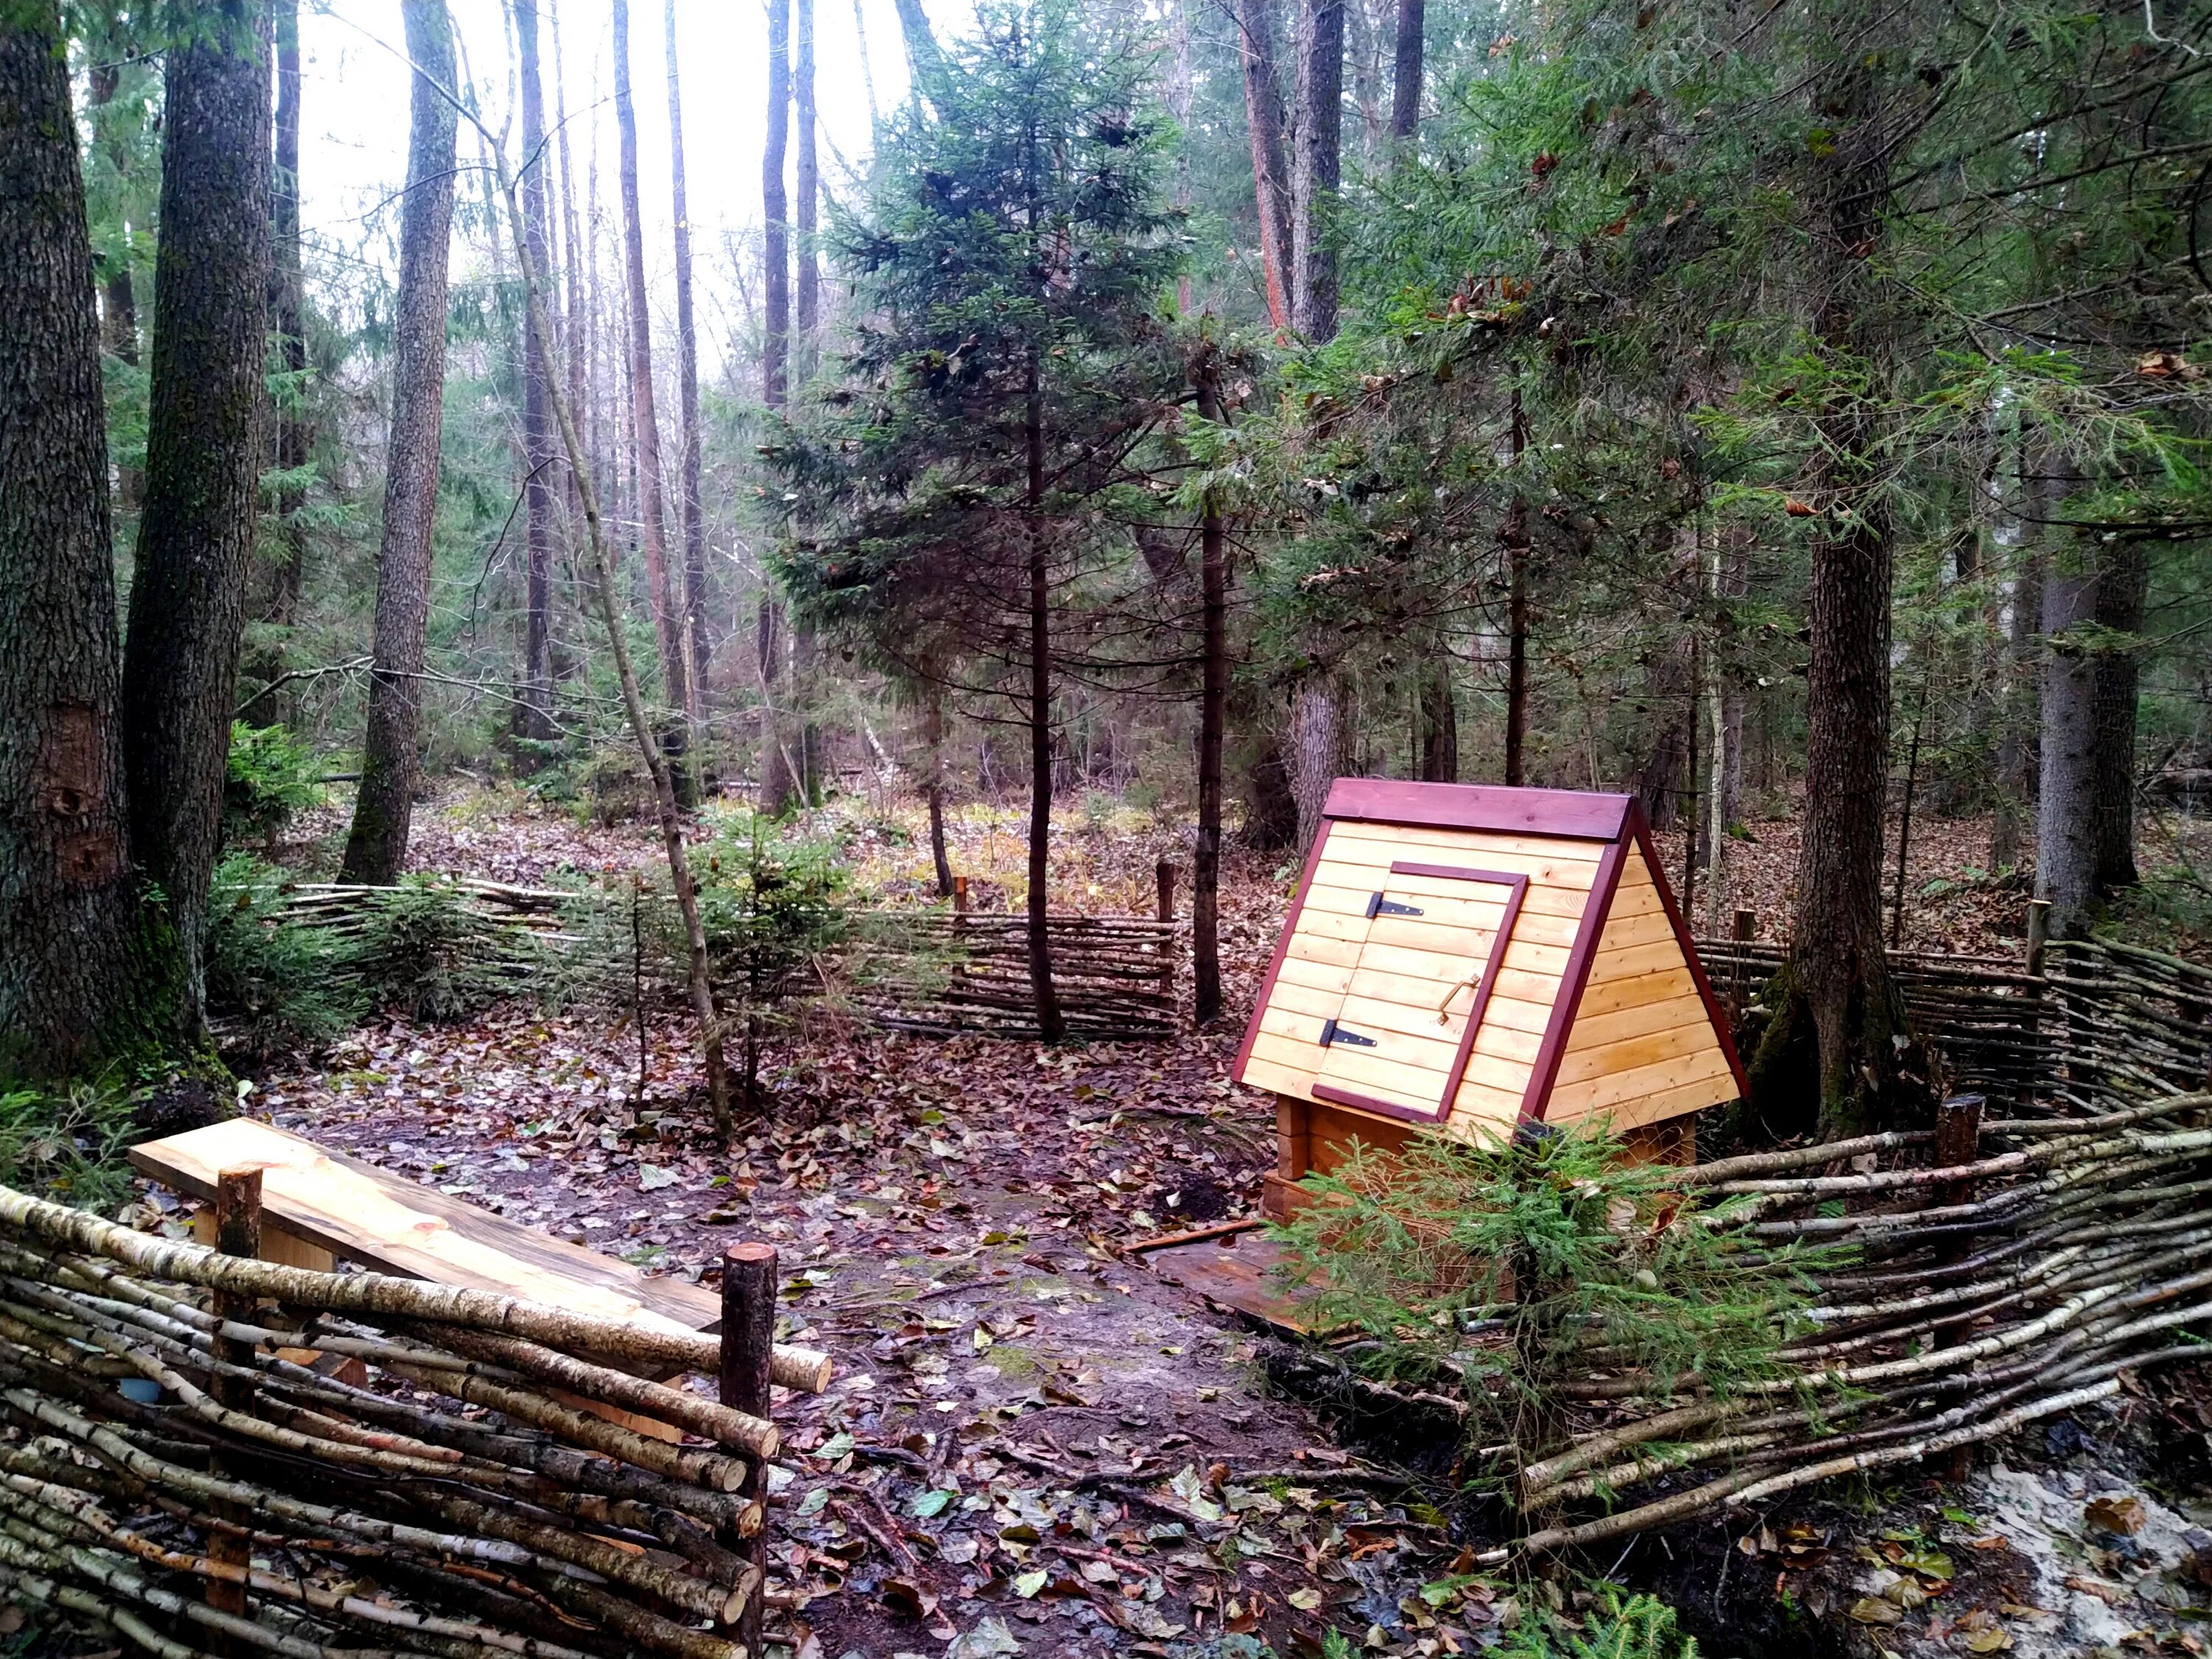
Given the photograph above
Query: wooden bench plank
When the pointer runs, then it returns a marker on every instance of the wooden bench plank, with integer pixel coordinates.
(368, 1216)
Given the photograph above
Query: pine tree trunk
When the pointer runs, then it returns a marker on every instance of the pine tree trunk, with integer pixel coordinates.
(1406, 84)
(1513, 538)
(118, 292)
(776, 213)
(205, 443)
(577, 331)
(1316, 169)
(1317, 747)
(1271, 183)
(687, 384)
(806, 180)
(924, 60)
(1438, 705)
(933, 732)
(534, 719)
(668, 625)
(287, 306)
(1213, 720)
(82, 978)
(2123, 588)
(1049, 1024)
(376, 847)
(2018, 711)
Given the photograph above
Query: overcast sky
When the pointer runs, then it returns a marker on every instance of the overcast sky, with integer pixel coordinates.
(353, 134)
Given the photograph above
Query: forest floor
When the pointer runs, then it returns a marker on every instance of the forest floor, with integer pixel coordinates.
(1032, 1444)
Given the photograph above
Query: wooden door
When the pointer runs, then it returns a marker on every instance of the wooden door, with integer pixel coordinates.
(1436, 936)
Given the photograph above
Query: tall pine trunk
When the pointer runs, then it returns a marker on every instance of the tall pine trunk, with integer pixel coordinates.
(1271, 179)
(1836, 980)
(383, 812)
(1316, 168)
(1437, 717)
(1317, 746)
(1513, 539)
(1406, 83)
(205, 444)
(81, 979)
(644, 420)
(2093, 610)
(1213, 720)
(542, 479)
(687, 396)
(933, 735)
(778, 785)
(1049, 1024)
(807, 309)
(287, 306)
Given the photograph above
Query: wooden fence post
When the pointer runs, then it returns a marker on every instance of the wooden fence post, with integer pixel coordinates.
(237, 1232)
(1163, 875)
(748, 1283)
(959, 895)
(2039, 933)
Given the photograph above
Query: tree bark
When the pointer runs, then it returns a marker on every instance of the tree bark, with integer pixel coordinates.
(1514, 537)
(1213, 722)
(118, 292)
(1316, 169)
(577, 331)
(1263, 117)
(806, 180)
(376, 846)
(933, 732)
(205, 447)
(541, 481)
(2123, 588)
(687, 384)
(287, 307)
(923, 57)
(1050, 1027)
(1405, 81)
(2019, 712)
(1317, 747)
(1836, 977)
(644, 418)
(1438, 711)
(776, 213)
(778, 786)
(81, 978)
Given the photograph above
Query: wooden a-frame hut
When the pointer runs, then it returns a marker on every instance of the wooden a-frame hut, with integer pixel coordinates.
(1468, 959)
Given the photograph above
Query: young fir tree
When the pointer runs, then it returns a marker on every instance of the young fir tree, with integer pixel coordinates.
(1012, 358)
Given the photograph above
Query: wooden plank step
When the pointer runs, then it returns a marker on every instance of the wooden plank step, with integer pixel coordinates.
(362, 1214)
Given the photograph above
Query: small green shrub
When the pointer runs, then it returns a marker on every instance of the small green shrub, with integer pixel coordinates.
(423, 952)
(274, 983)
(774, 905)
(273, 778)
(1565, 1254)
(67, 1144)
(1614, 1625)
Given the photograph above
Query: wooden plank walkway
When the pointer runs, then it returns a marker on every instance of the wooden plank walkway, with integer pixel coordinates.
(319, 1205)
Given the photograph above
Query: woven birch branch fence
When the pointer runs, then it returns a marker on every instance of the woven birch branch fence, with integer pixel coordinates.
(2018, 1276)
(928, 971)
(2095, 1018)
(208, 1454)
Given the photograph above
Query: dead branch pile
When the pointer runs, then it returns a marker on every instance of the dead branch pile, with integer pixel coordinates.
(2017, 1285)
(208, 1454)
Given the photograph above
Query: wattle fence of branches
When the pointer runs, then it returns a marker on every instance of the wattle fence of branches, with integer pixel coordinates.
(929, 971)
(2015, 1275)
(212, 1454)
(2098, 1018)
